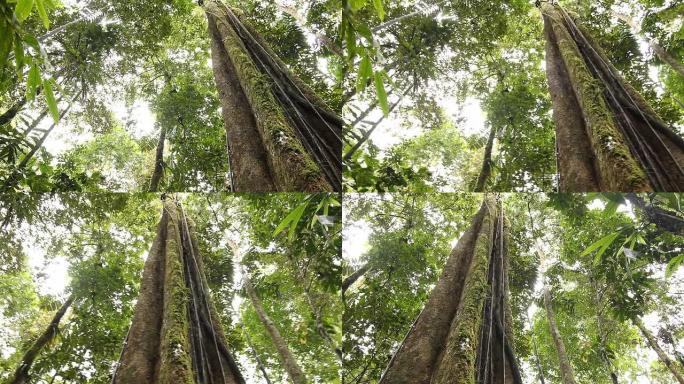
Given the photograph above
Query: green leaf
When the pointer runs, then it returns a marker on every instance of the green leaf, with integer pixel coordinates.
(5, 44)
(19, 57)
(379, 9)
(32, 41)
(23, 9)
(295, 219)
(43, 13)
(50, 99)
(32, 82)
(606, 240)
(381, 93)
(365, 72)
(675, 263)
(283, 224)
(355, 5)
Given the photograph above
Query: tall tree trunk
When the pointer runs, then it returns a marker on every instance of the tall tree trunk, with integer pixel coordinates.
(486, 169)
(287, 359)
(445, 343)
(664, 358)
(567, 374)
(292, 133)
(21, 374)
(175, 336)
(662, 218)
(630, 147)
(248, 159)
(662, 54)
(158, 162)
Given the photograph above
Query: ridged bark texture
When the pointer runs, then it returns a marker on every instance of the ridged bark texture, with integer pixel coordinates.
(175, 336)
(620, 144)
(283, 129)
(463, 333)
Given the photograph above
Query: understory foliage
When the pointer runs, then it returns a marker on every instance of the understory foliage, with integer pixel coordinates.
(93, 246)
(608, 263)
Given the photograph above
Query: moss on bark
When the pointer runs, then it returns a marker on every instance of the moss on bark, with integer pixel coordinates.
(458, 361)
(175, 362)
(617, 168)
(291, 166)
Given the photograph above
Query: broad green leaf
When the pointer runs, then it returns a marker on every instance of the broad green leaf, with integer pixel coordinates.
(50, 99)
(23, 9)
(40, 4)
(381, 93)
(379, 9)
(295, 219)
(606, 240)
(283, 224)
(33, 81)
(365, 72)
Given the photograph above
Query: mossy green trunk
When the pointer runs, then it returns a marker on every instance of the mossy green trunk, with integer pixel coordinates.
(608, 137)
(266, 140)
(168, 325)
(445, 343)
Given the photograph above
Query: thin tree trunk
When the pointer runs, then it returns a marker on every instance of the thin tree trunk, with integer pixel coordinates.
(659, 351)
(158, 162)
(486, 169)
(662, 54)
(567, 374)
(287, 359)
(260, 363)
(21, 374)
(351, 279)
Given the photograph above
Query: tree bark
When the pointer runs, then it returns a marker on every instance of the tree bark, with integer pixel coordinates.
(175, 335)
(299, 135)
(662, 218)
(633, 149)
(351, 279)
(21, 374)
(158, 162)
(662, 54)
(441, 346)
(486, 169)
(567, 374)
(287, 359)
(9, 114)
(659, 351)
(248, 159)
